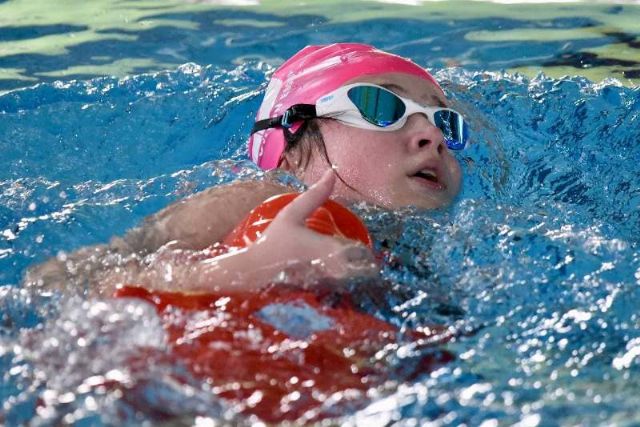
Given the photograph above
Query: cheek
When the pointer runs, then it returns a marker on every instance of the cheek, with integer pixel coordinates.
(371, 173)
(360, 158)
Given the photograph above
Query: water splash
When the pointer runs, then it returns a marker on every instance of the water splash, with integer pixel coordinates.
(536, 267)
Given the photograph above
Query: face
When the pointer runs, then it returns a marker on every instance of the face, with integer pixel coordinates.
(411, 166)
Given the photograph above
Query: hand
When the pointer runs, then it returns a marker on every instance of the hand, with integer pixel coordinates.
(287, 240)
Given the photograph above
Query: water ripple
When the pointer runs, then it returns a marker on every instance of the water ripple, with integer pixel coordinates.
(535, 269)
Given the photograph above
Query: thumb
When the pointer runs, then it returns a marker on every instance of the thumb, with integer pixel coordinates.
(305, 204)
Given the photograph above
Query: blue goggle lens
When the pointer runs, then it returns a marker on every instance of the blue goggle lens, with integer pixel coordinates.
(383, 108)
(453, 127)
(379, 107)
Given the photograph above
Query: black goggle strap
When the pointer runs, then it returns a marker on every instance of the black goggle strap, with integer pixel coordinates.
(295, 113)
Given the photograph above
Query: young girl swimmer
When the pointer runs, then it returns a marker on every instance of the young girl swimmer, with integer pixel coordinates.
(353, 122)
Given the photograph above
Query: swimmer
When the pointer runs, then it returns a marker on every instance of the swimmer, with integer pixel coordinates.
(352, 122)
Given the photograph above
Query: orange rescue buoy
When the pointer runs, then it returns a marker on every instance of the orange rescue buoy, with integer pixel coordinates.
(331, 219)
(280, 353)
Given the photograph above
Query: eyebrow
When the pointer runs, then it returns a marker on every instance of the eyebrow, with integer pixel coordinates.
(402, 91)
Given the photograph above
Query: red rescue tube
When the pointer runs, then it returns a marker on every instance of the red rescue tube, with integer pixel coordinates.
(252, 348)
(279, 374)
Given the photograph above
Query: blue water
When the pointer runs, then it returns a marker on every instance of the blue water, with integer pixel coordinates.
(536, 268)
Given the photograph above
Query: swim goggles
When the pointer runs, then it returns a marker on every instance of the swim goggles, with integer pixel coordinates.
(368, 106)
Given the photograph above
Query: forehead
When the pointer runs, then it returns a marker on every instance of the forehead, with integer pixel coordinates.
(408, 86)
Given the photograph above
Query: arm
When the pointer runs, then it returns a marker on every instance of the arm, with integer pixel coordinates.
(286, 244)
(193, 223)
(165, 252)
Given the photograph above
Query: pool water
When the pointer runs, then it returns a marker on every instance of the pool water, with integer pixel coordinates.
(536, 269)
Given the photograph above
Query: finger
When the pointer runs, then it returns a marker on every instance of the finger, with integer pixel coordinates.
(304, 205)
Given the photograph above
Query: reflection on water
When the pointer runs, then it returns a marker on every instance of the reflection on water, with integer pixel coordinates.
(99, 38)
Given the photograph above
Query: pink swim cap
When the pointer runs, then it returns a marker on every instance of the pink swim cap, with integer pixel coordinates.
(312, 73)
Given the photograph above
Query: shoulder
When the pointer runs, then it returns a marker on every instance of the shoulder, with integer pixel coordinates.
(204, 218)
(235, 199)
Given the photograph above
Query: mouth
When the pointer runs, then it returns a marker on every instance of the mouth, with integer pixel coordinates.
(429, 178)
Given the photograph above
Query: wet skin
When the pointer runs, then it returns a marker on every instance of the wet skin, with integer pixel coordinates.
(411, 166)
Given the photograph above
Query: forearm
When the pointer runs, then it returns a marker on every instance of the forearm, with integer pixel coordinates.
(83, 270)
(192, 224)
(197, 272)
(98, 270)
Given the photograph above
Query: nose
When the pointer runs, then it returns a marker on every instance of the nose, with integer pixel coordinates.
(424, 135)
